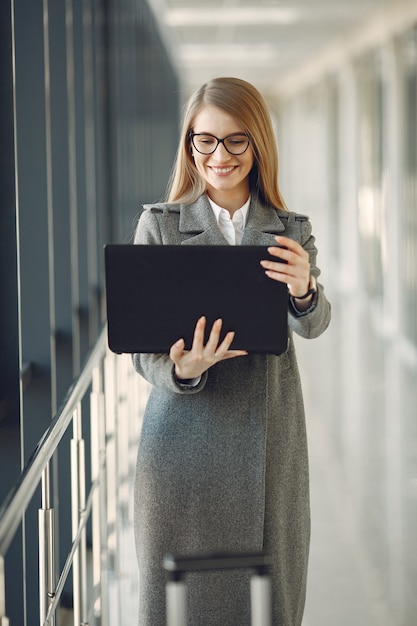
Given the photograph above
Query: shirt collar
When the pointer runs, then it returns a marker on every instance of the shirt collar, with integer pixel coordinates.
(217, 210)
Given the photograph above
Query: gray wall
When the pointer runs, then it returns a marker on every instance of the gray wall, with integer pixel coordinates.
(88, 132)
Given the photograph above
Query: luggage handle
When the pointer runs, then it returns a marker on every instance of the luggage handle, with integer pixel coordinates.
(178, 566)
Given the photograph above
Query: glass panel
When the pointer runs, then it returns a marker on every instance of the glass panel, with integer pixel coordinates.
(408, 208)
(371, 221)
(333, 162)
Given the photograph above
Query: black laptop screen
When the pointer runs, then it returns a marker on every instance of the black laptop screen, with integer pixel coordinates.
(156, 294)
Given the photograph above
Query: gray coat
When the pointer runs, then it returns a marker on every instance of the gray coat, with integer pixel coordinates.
(223, 466)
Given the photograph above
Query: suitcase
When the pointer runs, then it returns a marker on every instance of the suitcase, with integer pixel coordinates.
(176, 589)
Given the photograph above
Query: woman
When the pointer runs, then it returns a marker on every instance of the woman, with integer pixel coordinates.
(222, 463)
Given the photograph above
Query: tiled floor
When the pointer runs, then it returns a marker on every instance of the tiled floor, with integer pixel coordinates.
(360, 395)
(361, 404)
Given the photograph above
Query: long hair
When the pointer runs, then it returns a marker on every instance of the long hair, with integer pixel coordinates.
(245, 104)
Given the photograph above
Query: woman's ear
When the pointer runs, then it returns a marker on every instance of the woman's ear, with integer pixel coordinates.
(191, 157)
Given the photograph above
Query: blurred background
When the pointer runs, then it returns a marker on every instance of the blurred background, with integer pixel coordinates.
(91, 99)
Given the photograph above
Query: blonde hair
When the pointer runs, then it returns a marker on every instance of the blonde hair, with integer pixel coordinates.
(243, 101)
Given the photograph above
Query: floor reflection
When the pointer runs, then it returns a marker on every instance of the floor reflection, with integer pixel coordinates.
(361, 401)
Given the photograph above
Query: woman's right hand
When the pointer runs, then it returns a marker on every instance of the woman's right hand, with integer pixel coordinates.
(190, 364)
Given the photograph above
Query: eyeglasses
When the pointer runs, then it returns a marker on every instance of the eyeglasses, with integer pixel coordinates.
(236, 144)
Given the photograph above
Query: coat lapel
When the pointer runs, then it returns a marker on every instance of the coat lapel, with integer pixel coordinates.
(262, 225)
(198, 220)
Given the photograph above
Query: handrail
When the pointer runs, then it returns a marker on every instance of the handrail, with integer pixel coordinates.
(21, 493)
(67, 566)
(117, 400)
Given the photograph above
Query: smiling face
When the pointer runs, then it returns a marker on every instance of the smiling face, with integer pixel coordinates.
(225, 174)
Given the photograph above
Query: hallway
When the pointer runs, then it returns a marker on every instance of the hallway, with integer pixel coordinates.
(361, 421)
(360, 401)
(360, 398)
(92, 93)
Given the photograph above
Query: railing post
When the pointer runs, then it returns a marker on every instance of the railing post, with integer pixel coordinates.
(114, 431)
(98, 472)
(112, 464)
(77, 506)
(111, 457)
(4, 620)
(125, 606)
(36, 471)
(122, 444)
(46, 529)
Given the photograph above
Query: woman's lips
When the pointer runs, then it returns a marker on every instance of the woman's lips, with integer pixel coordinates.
(223, 171)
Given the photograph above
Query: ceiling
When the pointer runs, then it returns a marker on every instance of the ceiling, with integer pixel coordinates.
(262, 41)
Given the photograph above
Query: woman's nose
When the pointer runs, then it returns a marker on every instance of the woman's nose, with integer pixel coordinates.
(221, 154)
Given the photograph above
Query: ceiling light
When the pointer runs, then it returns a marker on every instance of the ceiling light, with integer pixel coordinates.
(224, 16)
(224, 53)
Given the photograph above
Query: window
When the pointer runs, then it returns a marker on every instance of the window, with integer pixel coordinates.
(408, 208)
(371, 205)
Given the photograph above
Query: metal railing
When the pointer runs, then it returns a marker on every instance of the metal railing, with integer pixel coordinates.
(117, 399)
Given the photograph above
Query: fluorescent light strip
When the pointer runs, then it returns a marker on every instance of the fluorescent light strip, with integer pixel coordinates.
(206, 55)
(236, 16)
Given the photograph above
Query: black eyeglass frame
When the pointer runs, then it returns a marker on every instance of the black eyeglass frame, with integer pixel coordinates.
(192, 135)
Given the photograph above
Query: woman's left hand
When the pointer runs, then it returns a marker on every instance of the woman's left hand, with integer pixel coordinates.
(295, 272)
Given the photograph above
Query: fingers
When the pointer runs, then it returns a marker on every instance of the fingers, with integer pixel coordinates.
(177, 350)
(295, 271)
(212, 347)
(198, 338)
(214, 337)
(214, 350)
(288, 250)
(192, 363)
(222, 351)
(208, 350)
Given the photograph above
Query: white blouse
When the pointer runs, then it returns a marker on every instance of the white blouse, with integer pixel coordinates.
(231, 227)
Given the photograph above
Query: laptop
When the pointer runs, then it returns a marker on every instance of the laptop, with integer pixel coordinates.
(155, 294)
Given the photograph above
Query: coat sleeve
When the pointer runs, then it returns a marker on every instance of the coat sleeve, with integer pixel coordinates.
(158, 369)
(314, 321)
(147, 230)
